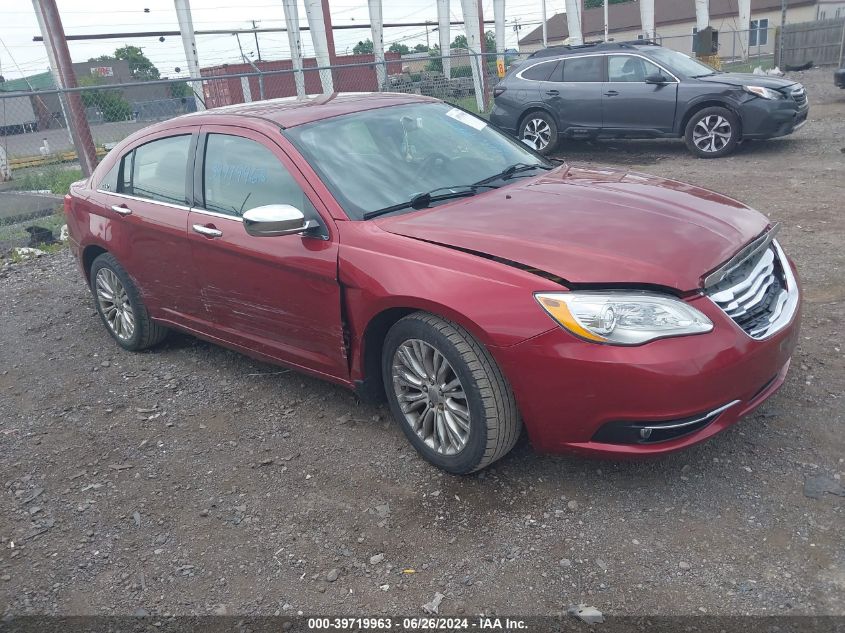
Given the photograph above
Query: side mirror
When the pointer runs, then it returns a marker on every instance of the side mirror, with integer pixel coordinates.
(657, 79)
(273, 220)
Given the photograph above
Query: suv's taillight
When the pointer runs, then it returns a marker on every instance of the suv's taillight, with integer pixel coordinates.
(498, 90)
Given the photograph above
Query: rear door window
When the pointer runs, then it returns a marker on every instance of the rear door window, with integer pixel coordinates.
(584, 69)
(159, 170)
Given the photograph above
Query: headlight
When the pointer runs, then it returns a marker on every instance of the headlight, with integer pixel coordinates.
(623, 318)
(766, 93)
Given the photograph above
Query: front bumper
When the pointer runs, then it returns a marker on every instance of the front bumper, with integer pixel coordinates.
(568, 389)
(762, 118)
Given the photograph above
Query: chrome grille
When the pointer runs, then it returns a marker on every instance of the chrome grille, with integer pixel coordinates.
(799, 95)
(759, 294)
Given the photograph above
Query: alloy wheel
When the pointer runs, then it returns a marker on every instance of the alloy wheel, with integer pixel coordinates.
(114, 304)
(712, 133)
(538, 132)
(431, 396)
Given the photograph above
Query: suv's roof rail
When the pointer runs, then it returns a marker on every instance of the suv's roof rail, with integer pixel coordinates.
(596, 46)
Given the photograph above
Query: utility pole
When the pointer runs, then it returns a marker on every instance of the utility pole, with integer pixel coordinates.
(257, 47)
(545, 28)
(780, 39)
(54, 38)
(186, 28)
(606, 28)
(54, 68)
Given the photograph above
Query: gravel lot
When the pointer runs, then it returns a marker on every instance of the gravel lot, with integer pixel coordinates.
(193, 480)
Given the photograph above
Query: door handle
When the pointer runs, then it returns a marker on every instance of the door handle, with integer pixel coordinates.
(553, 92)
(610, 93)
(207, 231)
(121, 209)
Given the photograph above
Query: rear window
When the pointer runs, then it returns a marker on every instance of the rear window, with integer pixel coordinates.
(539, 72)
(584, 69)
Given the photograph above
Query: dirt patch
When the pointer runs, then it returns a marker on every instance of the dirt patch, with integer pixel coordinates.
(179, 480)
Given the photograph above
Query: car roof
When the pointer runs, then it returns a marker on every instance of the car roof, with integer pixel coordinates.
(292, 111)
(590, 47)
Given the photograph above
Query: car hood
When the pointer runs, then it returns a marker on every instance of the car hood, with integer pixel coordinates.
(594, 227)
(748, 79)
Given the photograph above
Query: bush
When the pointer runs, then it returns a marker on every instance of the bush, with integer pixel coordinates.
(110, 102)
(54, 177)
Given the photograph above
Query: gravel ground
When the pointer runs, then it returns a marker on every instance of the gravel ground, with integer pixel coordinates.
(193, 480)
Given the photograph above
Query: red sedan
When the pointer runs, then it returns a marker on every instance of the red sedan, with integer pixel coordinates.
(406, 249)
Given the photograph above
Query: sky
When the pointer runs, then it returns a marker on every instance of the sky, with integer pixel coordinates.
(20, 56)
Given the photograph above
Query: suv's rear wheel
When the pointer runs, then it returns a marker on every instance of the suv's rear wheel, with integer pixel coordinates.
(712, 132)
(448, 394)
(540, 130)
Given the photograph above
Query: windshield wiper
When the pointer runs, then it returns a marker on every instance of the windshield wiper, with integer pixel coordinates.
(422, 200)
(705, 75)
(510, 170)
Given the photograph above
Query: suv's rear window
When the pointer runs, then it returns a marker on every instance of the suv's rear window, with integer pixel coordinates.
(539, 72)
(584, 69)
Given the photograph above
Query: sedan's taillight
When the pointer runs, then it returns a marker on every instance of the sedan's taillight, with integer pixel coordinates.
(498, 90)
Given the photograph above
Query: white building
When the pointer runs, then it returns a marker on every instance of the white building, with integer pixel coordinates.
(675, 24)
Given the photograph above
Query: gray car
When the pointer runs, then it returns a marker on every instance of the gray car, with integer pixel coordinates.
(642, 90)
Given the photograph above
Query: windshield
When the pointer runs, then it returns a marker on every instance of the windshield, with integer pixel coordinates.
(377, 159)
(680, 63)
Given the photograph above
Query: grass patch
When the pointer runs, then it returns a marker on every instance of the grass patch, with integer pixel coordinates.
(468, 103)
(54, 178)
(16, 233)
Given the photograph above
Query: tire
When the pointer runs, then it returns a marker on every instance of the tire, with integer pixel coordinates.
(723, 128)
(491, 425)
(109, 278)
(541, 129)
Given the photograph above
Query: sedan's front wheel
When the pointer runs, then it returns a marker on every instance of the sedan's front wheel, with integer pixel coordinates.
(448, 394)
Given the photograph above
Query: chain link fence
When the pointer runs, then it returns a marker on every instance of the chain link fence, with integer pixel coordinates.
(34, 137)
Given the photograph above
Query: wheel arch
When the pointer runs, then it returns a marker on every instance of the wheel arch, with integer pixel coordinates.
(531, 110)
(89, 254)
(708, 102)
(369, 385)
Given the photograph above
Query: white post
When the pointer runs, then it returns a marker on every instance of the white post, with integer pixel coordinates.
(702, 14)
(186, 26)
(376, 25)
(5, 170)
(443, 31)
(545, 26)
(473, 28)
(573, 22)
(606, 27)
(743, 24)
(499, 19)
(54, 68)
(647, 18)
(295, 44)
(317, 26)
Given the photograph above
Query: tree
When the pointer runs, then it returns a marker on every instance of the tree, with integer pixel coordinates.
(592, 4)
(363, 48)
(402, 49)
(140, 66)
(110, 102)
(460, 41)
(420, 48)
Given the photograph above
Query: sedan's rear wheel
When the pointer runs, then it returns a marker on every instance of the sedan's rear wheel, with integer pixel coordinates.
(712, 133)
(120, 306)
(448, 394)
(539, 130)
